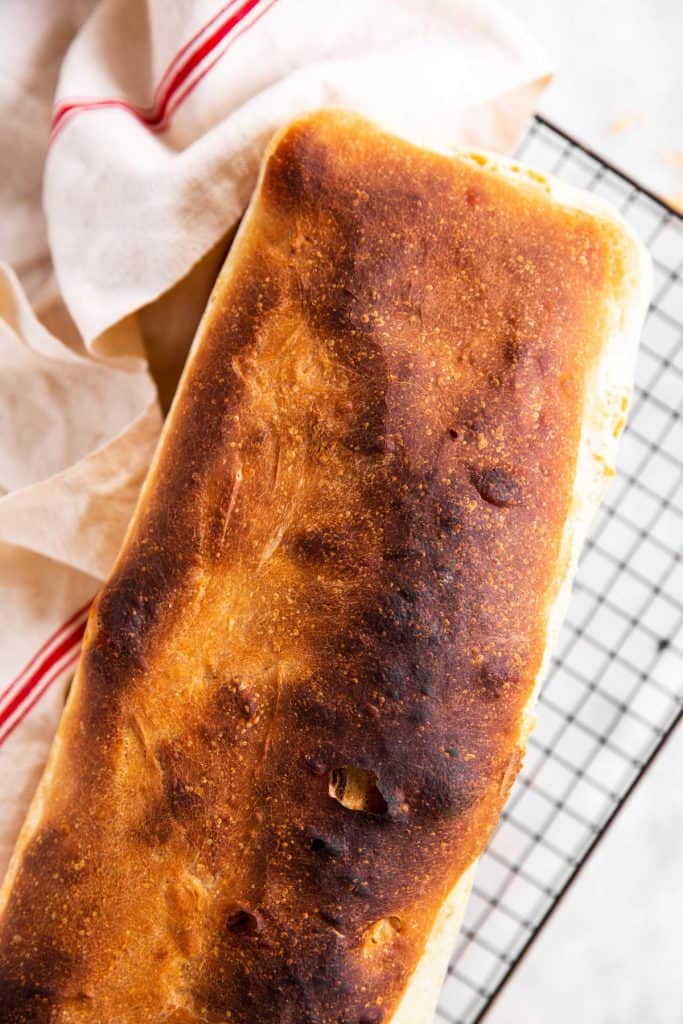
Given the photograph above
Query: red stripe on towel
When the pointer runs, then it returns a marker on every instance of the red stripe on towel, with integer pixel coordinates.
(17, 703)
(9, 729)
(11, 687)
(176, 76)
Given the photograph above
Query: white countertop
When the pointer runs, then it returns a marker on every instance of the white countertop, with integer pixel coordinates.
(611, 953)
(619, 80)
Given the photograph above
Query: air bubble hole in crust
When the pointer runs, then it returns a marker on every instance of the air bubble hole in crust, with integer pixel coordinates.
(357, 789)
(241, 922)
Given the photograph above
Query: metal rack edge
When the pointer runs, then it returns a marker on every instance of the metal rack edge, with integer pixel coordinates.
(609, 821)
(594, 155)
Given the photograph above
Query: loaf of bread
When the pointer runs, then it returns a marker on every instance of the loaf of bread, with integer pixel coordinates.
(305, 691)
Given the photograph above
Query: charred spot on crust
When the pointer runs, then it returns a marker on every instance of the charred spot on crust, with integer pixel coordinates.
(34, 980)
(497, 487)
(364, 441)
(295, 172)
(248, 703)
(419, 715)
(451, 514)
(357, 789)
(493, 681)
(398, 551)
(408, 593)
(125, 614)
(329, 918)
(367, 434)
(49, 849)
(318, 712)
(24, 1000)
(449, 788)
(240, 921)
(373, 1016)
(156, 827)
(511, 350)
(184, 802)
(232, 700)
(130, 607)
(325, 847)
(390, 617)
(314, 764)
(315, 546)
(391, 680)
(423, 679)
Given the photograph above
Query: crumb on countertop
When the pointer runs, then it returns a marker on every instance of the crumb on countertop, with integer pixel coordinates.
(624, 122)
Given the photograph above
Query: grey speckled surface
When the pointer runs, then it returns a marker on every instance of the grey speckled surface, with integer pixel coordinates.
(612, 952)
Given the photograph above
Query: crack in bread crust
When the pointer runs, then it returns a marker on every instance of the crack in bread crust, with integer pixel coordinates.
(343, 561)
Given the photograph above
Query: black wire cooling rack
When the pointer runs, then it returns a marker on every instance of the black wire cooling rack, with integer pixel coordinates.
(615, 690)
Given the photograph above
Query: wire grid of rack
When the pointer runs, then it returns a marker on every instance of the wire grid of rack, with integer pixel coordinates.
(615, 690)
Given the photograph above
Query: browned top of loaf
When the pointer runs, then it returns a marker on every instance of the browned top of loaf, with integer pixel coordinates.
(344, 559)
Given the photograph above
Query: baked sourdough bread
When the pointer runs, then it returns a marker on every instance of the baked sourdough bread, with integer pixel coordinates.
(305, 691)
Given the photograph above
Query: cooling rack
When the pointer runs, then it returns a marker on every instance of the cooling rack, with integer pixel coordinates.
(615, 690)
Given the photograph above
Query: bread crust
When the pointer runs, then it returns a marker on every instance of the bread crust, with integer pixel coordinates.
(305, 690)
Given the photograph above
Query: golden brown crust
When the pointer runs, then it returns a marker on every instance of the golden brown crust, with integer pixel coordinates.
(298, 712)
